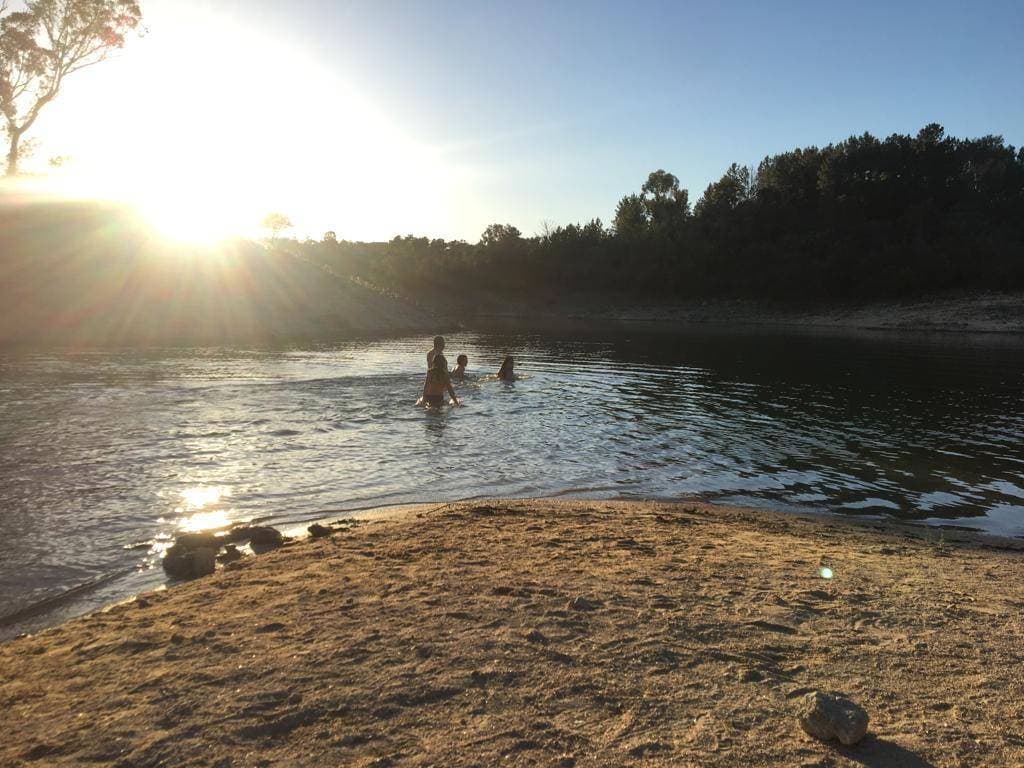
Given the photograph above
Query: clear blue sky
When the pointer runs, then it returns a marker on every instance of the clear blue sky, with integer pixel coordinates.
(573, 103)
(560, 108)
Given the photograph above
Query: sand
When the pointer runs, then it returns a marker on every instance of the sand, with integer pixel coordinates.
(544, 633)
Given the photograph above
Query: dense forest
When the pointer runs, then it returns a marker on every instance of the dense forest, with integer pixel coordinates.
(862, 219)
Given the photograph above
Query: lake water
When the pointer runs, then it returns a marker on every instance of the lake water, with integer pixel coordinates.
(105, 455)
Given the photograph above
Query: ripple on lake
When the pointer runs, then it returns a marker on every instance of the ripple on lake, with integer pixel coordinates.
(103, 450)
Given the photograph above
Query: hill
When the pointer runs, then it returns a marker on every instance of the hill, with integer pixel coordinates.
(74, 273)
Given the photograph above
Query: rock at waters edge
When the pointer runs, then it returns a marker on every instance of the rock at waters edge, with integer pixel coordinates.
(825, 716)
(317, 531)
(230, 555)
(256, 535)
(182, 563)
(190, 541)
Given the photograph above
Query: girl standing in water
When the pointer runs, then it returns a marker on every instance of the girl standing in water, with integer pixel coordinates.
(436, 383)
(506, 372)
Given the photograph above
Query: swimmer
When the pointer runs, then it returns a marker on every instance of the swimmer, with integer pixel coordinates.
(437, 350)
(436, 383)
(506, 372)
(459, 371)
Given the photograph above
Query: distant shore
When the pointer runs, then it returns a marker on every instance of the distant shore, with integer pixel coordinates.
(392, 316)
(569, 633)
(962, 313)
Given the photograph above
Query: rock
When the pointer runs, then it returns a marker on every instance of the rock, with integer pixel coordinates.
(256, 535)
(318, 531)
(190, 541)
(230, 554)
(536, 636)
(182, 563)
(825, 716)
(583, 603)
(750, 676)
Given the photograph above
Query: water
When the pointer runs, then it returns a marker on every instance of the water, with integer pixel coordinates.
(104, 455)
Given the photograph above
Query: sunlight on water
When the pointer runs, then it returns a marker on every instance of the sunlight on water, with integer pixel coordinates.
(200, 497)
(196, 510)
(206, 521)
(118, 448)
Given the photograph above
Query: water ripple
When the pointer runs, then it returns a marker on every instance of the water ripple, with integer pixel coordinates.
(102, 450)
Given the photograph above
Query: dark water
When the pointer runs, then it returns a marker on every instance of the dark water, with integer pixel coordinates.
(103, 456)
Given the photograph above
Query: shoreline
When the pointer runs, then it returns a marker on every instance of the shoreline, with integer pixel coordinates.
(545, 630)
(991, 314)
(58, 609)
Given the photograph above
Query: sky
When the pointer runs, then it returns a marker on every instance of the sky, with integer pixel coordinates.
(374, 119)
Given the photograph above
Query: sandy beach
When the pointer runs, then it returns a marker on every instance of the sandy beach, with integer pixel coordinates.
(553, 633)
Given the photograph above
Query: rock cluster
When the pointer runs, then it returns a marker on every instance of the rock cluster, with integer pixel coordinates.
(196, 554)
(825, 716)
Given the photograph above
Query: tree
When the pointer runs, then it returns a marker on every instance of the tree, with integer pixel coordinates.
(630, 217)
(499, 234)
(276, 223)
(330, 236)
(666, 204)
(736, 186)
(44, 44)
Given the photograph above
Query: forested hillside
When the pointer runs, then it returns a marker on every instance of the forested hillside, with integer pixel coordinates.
(863, 219)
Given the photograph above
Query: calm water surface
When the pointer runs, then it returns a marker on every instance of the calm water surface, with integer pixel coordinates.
(103, 456)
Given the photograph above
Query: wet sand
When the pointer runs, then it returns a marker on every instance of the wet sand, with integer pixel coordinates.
(544, 633)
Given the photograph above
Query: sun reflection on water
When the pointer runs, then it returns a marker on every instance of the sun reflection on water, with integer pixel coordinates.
(200, 496)
(203, 509)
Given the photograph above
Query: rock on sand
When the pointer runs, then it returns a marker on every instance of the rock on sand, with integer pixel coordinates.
(826, 717)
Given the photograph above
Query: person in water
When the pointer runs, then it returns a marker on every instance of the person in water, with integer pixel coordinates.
(437, 382)
(507, 372)
(459, 371)
(438, 350)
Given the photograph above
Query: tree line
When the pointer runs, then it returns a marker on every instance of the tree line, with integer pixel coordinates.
(863, 218)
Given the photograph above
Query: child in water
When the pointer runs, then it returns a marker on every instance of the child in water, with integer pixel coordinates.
(436, 383)
(506, 372)
(459, 371)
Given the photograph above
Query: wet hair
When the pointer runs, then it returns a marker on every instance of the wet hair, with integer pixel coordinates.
(505, 365)
(438, 341)
(461, 360)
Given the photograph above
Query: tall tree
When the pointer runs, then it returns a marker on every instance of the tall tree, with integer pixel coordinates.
(276, 223)
(630, 217)
(667, 205)
(499, 234)
(736, 186)
(44, 44)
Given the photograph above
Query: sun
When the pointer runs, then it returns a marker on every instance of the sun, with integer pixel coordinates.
(185, 214)
(245, 124)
